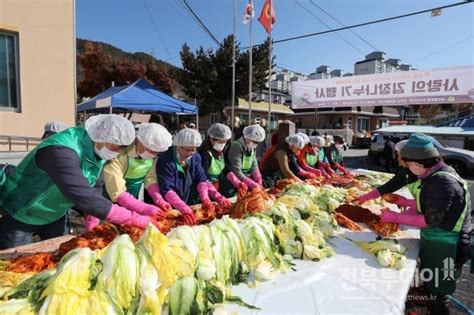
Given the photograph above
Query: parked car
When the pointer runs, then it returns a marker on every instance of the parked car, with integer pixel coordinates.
(461, 160)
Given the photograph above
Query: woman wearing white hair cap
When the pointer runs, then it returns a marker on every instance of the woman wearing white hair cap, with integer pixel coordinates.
(212, 158)
(134, 167)
(61, 172)
(284, 163)
(180, 172)
(241, 170)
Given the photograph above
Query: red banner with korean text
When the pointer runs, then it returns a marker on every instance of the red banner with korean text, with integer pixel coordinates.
(437, 86)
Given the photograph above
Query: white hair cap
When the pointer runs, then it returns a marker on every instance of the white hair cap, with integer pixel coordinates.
(113, 129)
(400, 144)
(154, 137)
(254, 132)
(187, 137)
(317, 140)
(296, 141)
(55, 126)
(304, 136)
(219, 131)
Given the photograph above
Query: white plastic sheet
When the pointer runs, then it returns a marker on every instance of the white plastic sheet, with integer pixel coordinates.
(350, 282)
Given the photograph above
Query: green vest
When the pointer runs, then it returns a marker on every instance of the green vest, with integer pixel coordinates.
(311, 159)
(225, 187)
(414, 187)
(438, 247)
(321, 155)
(216, 168)
(135, 175)
(336, 156)
(247, 160)
(30, 196)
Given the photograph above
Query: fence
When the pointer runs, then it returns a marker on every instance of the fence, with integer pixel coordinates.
(18, 144)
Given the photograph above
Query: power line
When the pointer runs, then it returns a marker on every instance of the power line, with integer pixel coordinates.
(366, 23)
(157, 30)
(200, 23)
(441, 50)
(328, 27)
(340, 23)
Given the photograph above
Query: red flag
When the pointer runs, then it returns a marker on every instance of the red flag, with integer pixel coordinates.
(267, 17)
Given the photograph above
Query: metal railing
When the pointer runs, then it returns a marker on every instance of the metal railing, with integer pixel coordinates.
(18, 144)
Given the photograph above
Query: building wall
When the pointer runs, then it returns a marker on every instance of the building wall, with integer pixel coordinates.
(46, 64)
(368, 67)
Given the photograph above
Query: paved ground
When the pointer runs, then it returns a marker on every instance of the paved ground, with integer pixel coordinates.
(357, 158)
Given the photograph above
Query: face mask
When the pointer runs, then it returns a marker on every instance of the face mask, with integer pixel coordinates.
(338, 146)
(105, 153)
(147, 155)
(416, 169)
(252, 146)
(219, 147)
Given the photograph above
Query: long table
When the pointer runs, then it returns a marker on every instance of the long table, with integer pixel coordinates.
(350, 282)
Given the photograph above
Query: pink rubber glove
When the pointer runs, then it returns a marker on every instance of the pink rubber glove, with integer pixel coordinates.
(306, 174)
(232, 178)
(416, 220)
(342, 169)
(374, 194)
(203, 191)
(250, 183)
(128, 201)
(328, 169)
(257, 177)
(323, 171)
(188, 215)
(223, 201)
(120, 215)
(154, 192)
(214, 194)
(90, 222)
(405, 203)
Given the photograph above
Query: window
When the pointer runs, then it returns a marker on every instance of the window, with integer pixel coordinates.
(363, 124)
(9, 80)
(383, 123)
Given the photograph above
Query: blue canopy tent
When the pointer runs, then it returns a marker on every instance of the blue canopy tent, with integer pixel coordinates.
(140, 96)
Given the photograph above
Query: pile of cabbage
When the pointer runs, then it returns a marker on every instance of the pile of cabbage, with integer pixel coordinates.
(188, 271)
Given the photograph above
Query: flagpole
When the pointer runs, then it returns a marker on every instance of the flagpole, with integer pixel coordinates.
(232, 122)
(270, 69)
(250, 67)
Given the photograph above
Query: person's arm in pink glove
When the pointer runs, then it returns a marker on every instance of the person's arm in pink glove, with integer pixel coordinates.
(374, 194)
(416, 220)
(188, 214)
(328, 169)
(154, 192)
(306, 174)
(90, 222)
(257, 177)
(323, 171)
(342, 169)
(203, 191)
(250, 183)
(405, 202)
(121, 215)
(232, 178)
(214, 194)
(127, 200)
